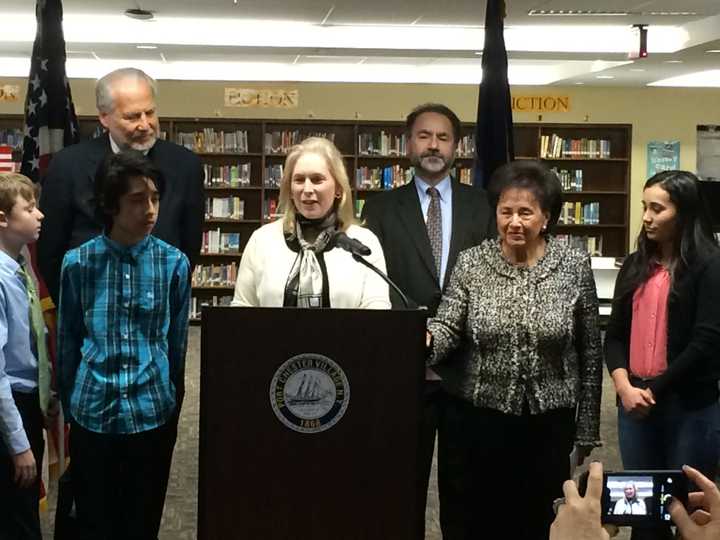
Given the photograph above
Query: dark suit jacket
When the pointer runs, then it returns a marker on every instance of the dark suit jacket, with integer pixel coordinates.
(68, 194)
(397, 220)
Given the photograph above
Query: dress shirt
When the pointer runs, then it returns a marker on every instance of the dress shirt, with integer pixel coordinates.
(444, 188)
(648, 333)
(18, 365)
(122, 333)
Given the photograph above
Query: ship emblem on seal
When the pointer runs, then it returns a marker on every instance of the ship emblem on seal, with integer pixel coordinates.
(309, 393)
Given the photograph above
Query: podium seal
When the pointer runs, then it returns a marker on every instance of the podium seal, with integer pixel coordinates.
(309, 393)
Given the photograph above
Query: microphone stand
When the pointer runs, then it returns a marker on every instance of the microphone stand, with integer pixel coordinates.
(387, 280)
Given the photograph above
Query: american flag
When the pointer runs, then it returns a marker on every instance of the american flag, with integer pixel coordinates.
(494, 129)
(6, 158)
(50, 121)
(50, 125)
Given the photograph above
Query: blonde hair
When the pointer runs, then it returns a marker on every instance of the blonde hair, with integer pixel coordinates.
(12, 185)
(328, 151)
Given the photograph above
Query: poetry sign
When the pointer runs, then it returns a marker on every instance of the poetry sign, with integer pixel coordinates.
(276, 98)
(9, 92)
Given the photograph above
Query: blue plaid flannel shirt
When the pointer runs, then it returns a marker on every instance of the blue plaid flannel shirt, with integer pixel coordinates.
(122, 334)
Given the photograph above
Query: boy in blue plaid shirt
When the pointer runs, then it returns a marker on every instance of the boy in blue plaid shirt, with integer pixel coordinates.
(122, 336)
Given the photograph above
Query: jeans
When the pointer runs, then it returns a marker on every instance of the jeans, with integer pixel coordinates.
(668, 438)
(119, 481)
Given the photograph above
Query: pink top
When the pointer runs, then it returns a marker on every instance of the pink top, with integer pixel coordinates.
(648, 334)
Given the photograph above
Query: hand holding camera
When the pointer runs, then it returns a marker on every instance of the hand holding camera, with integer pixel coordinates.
(704, 522)
(578, 518)
(596, 500)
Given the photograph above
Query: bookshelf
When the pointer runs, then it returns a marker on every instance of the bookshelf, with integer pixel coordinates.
(593, 163)
(244, 158)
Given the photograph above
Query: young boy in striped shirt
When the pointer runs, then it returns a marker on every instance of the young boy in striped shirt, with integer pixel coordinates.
(122, 336)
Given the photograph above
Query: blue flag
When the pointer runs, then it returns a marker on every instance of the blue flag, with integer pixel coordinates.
(494, 129)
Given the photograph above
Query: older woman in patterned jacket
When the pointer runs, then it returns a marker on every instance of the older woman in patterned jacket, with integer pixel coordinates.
(526, 384)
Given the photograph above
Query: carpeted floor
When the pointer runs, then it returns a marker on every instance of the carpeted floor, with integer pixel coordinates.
(179, 519)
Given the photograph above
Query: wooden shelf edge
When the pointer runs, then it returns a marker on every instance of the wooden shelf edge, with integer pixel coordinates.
(594, 226)
(593, 160)
(213, 288)
(230, 221)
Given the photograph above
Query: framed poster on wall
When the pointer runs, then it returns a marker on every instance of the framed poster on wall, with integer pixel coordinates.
(662, 156)
(708, 153)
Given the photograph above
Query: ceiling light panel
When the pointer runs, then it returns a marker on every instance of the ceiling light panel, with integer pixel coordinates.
(700, 79)
(606, 13)
(399, 70)
(273, 34)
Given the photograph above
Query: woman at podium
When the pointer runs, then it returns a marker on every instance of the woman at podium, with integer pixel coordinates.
(525, 390)
(294, 261)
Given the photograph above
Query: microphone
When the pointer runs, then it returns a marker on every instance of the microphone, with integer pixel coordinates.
(356, 247)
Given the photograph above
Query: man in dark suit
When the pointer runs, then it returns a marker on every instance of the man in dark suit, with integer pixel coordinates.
(422, 227)
(127, 110)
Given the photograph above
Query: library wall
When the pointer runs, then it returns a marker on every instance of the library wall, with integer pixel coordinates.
(654, 113)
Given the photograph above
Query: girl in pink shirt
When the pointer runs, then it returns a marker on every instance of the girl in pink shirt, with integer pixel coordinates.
(662, 344)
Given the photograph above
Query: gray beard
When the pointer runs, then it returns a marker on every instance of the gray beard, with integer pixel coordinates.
(422, 171)
(144, 147)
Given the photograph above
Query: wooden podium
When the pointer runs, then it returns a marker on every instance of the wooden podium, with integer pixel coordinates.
(310, 424)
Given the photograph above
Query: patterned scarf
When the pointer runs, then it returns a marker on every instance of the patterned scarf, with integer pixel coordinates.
(305, 282)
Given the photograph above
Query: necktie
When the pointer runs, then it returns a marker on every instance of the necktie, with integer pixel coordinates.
(434, 227)
(37, 337)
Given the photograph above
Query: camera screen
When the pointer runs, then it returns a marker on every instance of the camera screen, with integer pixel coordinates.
(632, 498)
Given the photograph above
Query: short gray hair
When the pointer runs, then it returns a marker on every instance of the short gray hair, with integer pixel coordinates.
(103, 88)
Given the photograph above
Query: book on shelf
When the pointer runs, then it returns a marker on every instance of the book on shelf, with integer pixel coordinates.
(463, 175)
(590, 244)
(270, 209)
(209, 141)
(359, 204)
(382, 143)
(382, 177)
(570, 179)
(12, 137)
(466, 147)
(196, 304)
(224, 208)
(215, 275)
(579, 213)
(273, 176)
(233, 176)
(554, 146)
(216, 242)
(280, 142)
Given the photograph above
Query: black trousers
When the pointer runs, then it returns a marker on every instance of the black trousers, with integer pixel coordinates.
(501, 468)
(19, 511)
(432, 415)
(119, 481)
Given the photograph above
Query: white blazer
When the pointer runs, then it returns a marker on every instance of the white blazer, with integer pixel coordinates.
(266, 263)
